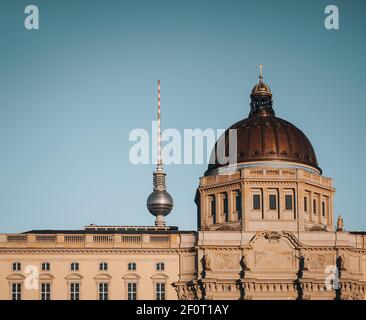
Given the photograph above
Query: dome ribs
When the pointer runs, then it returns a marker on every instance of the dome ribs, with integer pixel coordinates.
(264, 137)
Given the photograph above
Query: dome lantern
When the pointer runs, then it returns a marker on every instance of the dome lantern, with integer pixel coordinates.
(261, 97)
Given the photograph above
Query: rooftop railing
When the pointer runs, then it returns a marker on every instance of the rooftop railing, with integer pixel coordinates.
(89, 240)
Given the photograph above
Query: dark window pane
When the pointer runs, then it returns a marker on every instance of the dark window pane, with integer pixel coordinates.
(45, 291)
(131, 291)
(75, 266)
(256, 201)
(272, 202)
(132, 266)
(238, 205)
(226, 208)
(16, 266)
(323, 209)
(74, 291)
(288, 202)
(103, 291)
(314, 206)
(305, 204)
(213, 209)
(16, 290)
(160, 291)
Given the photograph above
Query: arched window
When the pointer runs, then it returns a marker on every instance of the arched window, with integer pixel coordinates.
(131, 266)
(160, 266)
(45, 266)
(74, 266)
(103, 266)
(16, 266)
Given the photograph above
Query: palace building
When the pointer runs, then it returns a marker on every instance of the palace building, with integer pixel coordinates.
(265, 230)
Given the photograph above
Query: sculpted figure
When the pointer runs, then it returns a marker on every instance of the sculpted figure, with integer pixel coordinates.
(304, 261)
(206, 222)
(244, 262)
(343, 262)
(207, 262)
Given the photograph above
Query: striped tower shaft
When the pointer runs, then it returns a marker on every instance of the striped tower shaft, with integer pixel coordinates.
(160, 163)
(159, 175)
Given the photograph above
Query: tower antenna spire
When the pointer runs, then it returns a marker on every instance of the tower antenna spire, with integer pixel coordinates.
(260, 71)
(160, 160)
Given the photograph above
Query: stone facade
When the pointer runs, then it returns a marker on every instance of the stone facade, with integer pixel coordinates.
(117, 248)
(278, 265)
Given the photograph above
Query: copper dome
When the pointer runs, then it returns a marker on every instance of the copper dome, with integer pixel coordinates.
(264, 137)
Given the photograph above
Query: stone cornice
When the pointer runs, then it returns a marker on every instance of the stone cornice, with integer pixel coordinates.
(219, 188)
(96, 251)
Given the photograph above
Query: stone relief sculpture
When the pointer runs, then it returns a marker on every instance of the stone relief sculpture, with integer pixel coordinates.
(206, 262)
(244, 262)
(343, 262)
(304, 260)
(272, 235)
(226, 261)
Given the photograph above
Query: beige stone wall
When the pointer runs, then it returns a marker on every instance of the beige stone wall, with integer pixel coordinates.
(303, 186)
(146, 255)
(278, 265)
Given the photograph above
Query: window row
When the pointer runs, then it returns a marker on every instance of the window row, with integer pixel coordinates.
(224, 199)
(289, 204)
(273, 201)
(74, 266)
(103, 291)
(314, 205)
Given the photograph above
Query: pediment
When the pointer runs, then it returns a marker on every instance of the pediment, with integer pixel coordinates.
(275, 236)
(74, 276)
(131, 276)
(46, 276)
(159, 276)
(15, 277)
(103, 276)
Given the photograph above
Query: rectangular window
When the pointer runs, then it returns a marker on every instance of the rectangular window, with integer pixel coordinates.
(74, 291)
(272, 202)
(305, 204)
(213, 209)
(238, 205)
(314, 206)
(256, 201)
(288, 202)
(160, 291)
(226, 208)
(45, 291)
(16, 291)
(132, 291)
(323, 208)
(103, 291)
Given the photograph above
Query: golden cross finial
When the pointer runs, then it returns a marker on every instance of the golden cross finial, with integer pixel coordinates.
(260, 71)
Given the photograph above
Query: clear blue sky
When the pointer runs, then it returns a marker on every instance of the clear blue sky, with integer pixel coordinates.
(71, 92)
